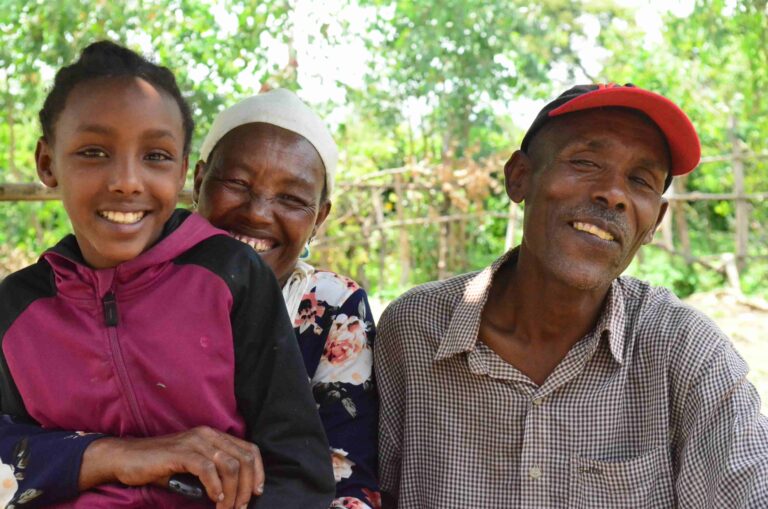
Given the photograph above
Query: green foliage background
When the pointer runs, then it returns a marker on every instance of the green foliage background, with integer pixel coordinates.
(439, 91)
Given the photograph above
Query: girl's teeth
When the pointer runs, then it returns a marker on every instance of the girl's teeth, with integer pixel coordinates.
(122, 217)
(594, 230)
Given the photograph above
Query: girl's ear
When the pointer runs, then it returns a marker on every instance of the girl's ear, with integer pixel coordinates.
(44, 163)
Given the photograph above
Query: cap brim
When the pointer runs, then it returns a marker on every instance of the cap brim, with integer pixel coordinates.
(682, 139)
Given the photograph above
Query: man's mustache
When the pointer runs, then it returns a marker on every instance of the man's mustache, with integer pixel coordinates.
(607, 219)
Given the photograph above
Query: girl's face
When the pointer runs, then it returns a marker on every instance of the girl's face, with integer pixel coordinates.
(117, 156)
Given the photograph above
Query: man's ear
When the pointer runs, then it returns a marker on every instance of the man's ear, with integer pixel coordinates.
(517, 174)
(662, 212)
(44, 163)
(198, 180)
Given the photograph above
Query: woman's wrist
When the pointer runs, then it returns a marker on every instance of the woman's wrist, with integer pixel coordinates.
(98, 464)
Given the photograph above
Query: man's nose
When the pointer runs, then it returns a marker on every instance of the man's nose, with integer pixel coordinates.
(127, 177)
(610, 191)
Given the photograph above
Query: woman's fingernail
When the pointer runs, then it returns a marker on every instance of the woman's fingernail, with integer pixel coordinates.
(244, 506)
(260, 489)
(221, 497)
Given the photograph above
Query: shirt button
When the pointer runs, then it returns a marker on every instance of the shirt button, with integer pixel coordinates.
(537, 401)
(534, 472)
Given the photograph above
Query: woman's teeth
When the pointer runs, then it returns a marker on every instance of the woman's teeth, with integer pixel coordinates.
(594, 230)
(122, 217)
(258, 245)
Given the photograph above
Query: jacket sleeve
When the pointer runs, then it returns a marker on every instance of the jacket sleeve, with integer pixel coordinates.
(348, 404)
(274, 397)
(45, 464)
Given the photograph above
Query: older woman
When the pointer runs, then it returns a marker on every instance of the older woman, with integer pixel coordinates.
(265, 175)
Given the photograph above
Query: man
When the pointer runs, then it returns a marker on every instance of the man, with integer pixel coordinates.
(546, 380)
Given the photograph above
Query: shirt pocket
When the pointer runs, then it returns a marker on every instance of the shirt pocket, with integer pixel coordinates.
(644, 481)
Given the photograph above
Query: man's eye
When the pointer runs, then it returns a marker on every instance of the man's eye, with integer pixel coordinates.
(92, 153)
(645, 183)
(583, 162)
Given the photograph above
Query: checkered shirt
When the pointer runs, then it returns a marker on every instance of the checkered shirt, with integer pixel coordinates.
(651, 409)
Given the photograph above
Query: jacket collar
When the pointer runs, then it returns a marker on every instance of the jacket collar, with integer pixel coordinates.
(183, 230)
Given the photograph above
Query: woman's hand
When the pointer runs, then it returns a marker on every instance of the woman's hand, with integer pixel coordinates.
(229, 468)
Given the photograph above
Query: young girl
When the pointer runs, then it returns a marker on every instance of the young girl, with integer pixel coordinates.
(163, 341)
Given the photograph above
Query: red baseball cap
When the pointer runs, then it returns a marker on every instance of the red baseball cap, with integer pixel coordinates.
(683, 142)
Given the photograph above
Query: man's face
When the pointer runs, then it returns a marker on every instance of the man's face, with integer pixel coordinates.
(592, 195)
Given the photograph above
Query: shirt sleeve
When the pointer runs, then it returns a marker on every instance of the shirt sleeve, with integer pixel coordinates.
(344, 390)
(722, 450)
(389, 364)
(45, 464)
(274, 397)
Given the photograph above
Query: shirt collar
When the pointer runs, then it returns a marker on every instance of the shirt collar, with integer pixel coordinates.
(461, 335)
(465, 322)
(612, 321)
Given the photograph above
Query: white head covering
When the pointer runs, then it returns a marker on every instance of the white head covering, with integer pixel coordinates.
(282, 108)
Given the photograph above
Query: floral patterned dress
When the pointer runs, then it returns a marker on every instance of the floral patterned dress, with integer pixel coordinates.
(335, 330)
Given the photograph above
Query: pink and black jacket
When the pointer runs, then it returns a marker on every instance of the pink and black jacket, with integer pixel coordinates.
(192, 332)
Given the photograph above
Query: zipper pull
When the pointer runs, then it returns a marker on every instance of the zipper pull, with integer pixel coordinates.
(110, 309)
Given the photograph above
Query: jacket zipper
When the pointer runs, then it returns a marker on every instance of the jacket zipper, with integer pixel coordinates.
(111, 319)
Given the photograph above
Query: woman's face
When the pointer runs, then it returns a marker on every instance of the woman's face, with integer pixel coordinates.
(263, 184)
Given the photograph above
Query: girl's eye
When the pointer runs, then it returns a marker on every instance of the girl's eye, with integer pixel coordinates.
(159, 156)
(92, 153)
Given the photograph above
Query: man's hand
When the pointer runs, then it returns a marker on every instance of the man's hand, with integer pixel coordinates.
(229, 468)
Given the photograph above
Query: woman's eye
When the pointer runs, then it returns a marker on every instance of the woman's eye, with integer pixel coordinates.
(92, 153)
(295, 200)
(236, 183)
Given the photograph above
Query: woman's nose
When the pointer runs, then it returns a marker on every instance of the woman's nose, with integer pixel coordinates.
(260, 208)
